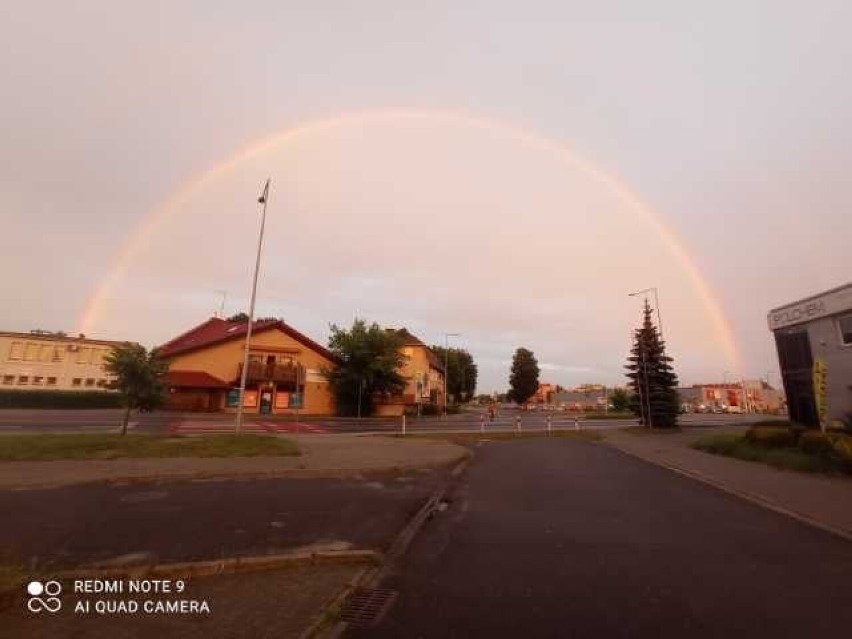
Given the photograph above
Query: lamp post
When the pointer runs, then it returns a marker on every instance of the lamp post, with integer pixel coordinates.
(261, 200)
(656, 305)
(447, 337)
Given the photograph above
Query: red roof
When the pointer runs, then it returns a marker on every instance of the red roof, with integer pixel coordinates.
(194, 379)
(216, 331)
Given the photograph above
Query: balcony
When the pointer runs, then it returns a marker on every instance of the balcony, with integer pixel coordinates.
(259, 372)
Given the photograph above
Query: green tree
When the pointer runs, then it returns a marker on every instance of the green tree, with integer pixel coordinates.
(370, 359)
(620, 400)
(139, 378)
(523, 380)
(239, 317)
(652, 378)
(461, 374)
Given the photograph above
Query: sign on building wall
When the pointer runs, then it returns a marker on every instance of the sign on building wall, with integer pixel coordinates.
(250, 399)
(824, 305)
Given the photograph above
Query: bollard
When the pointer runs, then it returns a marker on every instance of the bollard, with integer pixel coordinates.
(403, 423)
(548, 425)
(576, 423)
(518, 424)
(482, 423)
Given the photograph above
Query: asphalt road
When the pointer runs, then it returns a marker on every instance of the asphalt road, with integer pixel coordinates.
(200, 520)
(561, 538)
(109, 420)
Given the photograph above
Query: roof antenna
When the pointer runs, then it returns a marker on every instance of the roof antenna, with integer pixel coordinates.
(221, 312)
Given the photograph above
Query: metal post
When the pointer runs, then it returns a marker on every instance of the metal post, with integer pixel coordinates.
(482, 423)
(261, 200)
(360, 390)
(576, 422)
(518, 424)
(403, 424)
(548, 425)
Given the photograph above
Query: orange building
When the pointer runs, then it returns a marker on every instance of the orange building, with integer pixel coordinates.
(284, 373)
(424, 375)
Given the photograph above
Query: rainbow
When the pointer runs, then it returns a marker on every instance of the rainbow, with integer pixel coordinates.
(154, 219)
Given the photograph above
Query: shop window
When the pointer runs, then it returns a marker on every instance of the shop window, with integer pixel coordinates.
(8, 380)
(23, 380)
(38, 380)
(845, 325)
(90, 381)
(51, 381)
(77, 381)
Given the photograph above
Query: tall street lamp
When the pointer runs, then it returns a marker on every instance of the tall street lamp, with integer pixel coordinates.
(261, 200)
(656, 304)
(447, 337)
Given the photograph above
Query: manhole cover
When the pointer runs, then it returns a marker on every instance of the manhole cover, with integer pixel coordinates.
(367, 607)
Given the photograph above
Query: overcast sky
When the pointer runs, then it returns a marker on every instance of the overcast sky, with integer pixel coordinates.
(729, 120)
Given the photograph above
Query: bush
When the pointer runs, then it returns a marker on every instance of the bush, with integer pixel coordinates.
(815, 442)
(58, 399)
(843, 449)
(771, 437)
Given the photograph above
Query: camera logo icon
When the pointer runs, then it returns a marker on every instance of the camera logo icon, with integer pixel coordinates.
(44, 597)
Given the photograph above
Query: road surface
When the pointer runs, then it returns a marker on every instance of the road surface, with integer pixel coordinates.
(561, 538)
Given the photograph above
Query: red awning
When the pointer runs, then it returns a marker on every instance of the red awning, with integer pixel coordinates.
(194, 379)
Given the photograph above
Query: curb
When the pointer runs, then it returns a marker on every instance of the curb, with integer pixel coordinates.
(751, 497)
(372, 578)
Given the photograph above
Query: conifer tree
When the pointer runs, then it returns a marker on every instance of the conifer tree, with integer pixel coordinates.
(652, 379)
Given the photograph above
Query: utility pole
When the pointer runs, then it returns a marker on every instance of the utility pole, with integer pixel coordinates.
(261, 200)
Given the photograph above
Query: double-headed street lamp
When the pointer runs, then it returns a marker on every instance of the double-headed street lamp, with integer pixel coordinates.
(656, 304)
(447, 337)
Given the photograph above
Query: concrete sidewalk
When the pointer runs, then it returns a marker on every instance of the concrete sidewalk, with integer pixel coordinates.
(820, 500)
(322, 456)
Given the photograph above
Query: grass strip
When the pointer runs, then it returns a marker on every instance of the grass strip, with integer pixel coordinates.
(113, 446)
(735, 445)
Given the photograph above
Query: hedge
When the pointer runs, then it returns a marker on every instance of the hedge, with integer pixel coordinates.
(771, 436)
(58, 399)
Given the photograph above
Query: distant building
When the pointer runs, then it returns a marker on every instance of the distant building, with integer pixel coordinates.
(760, 397)
(583, 398)
(424, 374)
(817, 328)
(544, 394)
(284, 373)
(54, 361)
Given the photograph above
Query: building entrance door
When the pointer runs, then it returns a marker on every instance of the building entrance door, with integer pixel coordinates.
(266, 401)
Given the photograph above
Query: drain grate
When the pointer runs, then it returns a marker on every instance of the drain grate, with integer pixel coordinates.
(367, 607)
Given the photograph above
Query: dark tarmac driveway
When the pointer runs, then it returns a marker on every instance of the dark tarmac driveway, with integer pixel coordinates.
(198, 520)
(561, 538)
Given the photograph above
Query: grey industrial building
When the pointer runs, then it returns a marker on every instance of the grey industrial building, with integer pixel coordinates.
(817, 327)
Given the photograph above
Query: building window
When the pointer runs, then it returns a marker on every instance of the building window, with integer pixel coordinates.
(90, 381)
(23, 380)
(17, 350)
(45, 353)
(8, 380)
(58, 353)
(77, 381)
(83, 355)
(102, 383)
(31, 352)
(51, 381)
(38, 380)
(845, 325)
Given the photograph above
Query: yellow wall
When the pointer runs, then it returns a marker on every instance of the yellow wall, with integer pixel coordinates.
(34, 362)
(223, 361)
(417, 364)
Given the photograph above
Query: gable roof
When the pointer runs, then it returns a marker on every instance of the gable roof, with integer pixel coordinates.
(217, 331)
(409, 339)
